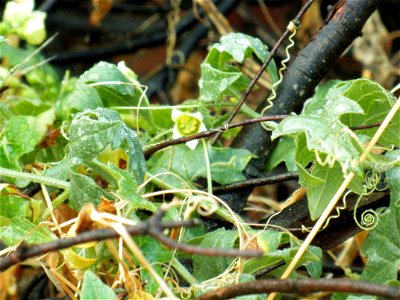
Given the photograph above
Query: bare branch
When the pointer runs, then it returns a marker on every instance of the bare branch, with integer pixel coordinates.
(204, 134)
(152, 226)
(255, 182)
(303, 286)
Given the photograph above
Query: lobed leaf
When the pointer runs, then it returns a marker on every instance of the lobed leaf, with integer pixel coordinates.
(219, 78)
(226, 164)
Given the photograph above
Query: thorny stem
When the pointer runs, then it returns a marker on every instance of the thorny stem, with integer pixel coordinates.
(251, 85)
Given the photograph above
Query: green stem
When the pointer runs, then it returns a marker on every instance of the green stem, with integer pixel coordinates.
(208, 167)
(35, 178)
(60, 199)
(189, 278)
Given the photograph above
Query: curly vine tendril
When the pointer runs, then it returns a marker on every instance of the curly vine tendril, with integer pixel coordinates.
(369, 218)
(338, 211)
(293, 28)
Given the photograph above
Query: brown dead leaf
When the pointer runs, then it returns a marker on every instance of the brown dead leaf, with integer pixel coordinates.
(106, 206)
(100, 10)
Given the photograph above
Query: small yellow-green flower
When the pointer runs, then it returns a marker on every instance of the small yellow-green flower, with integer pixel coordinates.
(187, 124)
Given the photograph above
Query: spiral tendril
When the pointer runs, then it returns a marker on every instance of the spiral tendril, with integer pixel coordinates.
(338, 211)
(369, 219)
(293, 28)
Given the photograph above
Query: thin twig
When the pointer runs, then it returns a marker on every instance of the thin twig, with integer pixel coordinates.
(24, 252)
(366, 126)
(152, 226)
(255, 182)
(251, 85)
(204, 134)
(303, 286)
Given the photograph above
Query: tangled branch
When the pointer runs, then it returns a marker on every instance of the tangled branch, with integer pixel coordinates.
(153, 226)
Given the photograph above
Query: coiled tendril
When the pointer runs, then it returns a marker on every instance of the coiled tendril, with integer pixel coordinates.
(293, 28)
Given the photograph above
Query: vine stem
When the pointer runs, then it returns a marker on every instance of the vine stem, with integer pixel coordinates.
(337, 196)
(253, 82)
(302, 286)
(35, 178)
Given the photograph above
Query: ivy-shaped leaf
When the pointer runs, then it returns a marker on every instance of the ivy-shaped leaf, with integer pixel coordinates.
(226, 164)
(325, 134)
(219, 78)
(157, 254)
(269, 241)
(92, 131)
(382, 246)
(323, 137)
(376, 103)
(84, 190)
(115, 88)
(112, 85)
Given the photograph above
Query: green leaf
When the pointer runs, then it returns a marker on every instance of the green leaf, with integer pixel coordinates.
(319, 194)
(94, 289)
(13, 206)
(207, 267)
(126, 186)
(112, 85)
(84, 190)
(219, 78)
(93, 130)
(214, 83)
(284, 151)
(156, 254)
(16, 229)
(24, 134)
(226, 164)
(382, 247)
(376, 103)
(314, 266)
(324, 137)
(82, 97)
(318, 100)
(312, 259)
